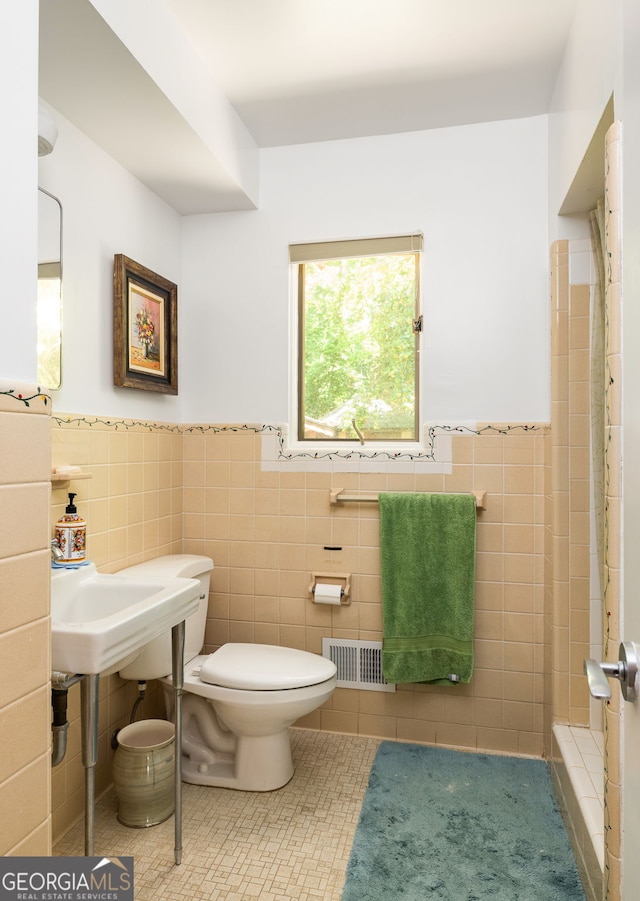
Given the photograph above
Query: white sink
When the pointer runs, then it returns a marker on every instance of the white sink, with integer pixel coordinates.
(99, 621)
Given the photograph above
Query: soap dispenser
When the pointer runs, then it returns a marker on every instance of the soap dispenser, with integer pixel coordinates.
(71, 534)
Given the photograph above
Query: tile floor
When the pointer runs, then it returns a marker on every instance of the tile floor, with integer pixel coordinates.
(289, 845)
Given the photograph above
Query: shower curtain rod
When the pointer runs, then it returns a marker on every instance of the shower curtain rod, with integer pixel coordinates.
(342, 497)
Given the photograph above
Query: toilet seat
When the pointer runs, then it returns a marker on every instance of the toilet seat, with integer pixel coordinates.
(261, 667)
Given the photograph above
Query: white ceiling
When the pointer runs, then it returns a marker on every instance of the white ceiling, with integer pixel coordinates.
(315, 70)
(297, 71)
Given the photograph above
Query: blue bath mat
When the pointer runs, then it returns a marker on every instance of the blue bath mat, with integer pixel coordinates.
(456, 826)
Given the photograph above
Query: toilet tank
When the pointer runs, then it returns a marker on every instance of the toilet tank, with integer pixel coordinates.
(155, 659)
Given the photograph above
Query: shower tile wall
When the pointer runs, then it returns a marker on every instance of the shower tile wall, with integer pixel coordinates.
(570, 438)
(570, 636)
(568, 622)
(24, 622)
(159, 488)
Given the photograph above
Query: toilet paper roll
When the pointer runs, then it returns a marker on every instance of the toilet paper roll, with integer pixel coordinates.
(324, 593)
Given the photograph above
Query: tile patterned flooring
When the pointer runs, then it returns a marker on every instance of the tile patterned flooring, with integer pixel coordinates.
(289, 845)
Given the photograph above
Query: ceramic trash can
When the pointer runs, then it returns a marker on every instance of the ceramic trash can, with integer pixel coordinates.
(144, 773)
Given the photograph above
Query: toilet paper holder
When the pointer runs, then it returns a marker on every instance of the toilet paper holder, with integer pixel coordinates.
(342, 579)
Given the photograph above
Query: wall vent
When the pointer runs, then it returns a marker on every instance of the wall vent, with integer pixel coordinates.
(359, 663)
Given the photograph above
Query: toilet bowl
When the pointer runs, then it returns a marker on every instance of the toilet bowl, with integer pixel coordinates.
(238, 702)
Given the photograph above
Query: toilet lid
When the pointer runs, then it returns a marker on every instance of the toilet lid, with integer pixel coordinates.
(264, 667)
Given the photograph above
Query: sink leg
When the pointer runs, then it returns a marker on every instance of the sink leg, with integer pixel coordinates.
(177, 649)
(89, 688)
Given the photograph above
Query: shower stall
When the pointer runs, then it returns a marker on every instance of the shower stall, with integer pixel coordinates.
(584, 525)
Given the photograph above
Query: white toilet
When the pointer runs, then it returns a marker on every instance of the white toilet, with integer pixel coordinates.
(239, 701)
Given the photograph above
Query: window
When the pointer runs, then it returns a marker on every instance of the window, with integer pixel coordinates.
(359, 326)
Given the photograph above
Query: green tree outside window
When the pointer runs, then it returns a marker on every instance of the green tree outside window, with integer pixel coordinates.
(358, 347)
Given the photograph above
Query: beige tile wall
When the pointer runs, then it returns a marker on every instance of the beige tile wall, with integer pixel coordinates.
(157, 488)
(133, 507)
(569, 527)
(570, 440)
(267, 532)
(579, 499)
(560, 636)
(24, 622)
(133, 501)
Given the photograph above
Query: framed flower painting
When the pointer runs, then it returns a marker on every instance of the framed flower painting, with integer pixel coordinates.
(145, 328)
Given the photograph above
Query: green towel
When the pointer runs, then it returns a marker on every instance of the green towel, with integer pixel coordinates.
(427, 556)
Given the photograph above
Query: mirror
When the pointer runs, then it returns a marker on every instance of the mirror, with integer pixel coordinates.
(49, 309)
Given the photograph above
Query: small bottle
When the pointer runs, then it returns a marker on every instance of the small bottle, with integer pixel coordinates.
(71, 534)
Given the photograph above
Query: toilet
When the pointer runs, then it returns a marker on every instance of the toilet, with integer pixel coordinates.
(238, 702)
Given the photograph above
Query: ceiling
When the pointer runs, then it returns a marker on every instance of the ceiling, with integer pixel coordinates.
(316, 70)
(296, 71)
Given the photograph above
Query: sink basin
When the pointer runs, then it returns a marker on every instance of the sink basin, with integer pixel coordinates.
(99, 621)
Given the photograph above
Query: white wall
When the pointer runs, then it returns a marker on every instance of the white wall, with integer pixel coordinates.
(19, 198)
(172, 62)
(479, 194)
(105, 211)
(589, 75)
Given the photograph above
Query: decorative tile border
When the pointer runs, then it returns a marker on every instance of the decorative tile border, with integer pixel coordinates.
(434, 457)
(22, 397)
(64, 420)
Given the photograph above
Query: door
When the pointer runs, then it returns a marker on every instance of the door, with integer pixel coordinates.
(630, 595)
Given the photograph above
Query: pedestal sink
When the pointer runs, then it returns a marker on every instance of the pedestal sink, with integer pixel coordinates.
(99, 621)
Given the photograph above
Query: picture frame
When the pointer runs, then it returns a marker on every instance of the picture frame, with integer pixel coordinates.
(145, 328)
